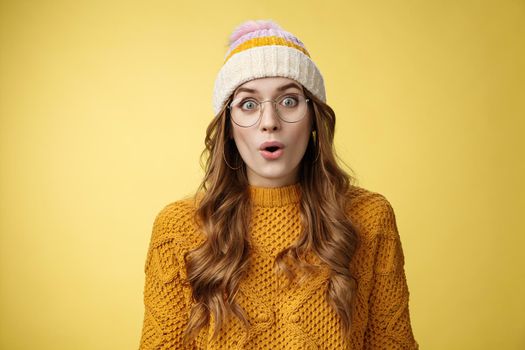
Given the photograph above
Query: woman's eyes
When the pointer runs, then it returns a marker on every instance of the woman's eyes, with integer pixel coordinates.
(291, 99)
(286, 101)
(246, 102)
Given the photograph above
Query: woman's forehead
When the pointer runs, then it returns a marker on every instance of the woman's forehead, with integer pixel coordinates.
(269, 85)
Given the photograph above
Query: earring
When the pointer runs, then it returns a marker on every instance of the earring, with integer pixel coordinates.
(229, 166)
(318, 153)
(314, 135)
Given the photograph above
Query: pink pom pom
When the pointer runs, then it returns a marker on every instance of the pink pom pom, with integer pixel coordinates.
(251, 26)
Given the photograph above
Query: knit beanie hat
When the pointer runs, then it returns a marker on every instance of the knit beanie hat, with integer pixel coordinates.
(261, 48)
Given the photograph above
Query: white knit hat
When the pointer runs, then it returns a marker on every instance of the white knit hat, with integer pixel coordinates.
(259, 49)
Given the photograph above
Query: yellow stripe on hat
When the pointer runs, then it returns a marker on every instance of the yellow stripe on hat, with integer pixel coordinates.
(264, 41)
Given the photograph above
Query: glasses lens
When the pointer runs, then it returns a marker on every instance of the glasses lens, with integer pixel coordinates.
(291, 108)
(245, 111)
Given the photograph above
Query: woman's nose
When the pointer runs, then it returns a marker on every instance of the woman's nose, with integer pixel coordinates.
(269, 118)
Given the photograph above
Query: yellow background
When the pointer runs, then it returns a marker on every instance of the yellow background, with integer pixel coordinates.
(104, 105)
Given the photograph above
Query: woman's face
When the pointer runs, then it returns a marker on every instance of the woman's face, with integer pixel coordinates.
(277, 168)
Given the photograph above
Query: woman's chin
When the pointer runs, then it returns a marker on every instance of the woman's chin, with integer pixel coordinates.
(271, 177)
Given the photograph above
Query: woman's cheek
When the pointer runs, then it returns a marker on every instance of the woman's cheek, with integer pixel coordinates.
(243, 145)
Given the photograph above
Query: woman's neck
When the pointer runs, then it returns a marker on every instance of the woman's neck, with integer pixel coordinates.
(275, 196)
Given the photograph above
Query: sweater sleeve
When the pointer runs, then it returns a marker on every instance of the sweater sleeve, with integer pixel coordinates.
(165, 304)
(389, 324)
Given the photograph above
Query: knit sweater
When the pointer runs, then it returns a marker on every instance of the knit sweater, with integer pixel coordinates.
(300, 316)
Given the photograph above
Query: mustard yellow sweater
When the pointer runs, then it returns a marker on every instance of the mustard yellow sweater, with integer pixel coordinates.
(300, 317)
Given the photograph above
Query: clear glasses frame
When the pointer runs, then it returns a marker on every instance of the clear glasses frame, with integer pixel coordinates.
(259, 106)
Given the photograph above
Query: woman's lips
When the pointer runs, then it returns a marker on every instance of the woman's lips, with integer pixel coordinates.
(271, 155)
(275, 146)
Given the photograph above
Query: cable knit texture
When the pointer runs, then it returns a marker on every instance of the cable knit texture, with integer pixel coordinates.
(298, 317)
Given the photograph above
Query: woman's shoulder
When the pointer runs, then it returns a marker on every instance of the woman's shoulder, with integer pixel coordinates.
(175, 221)
(371, 211)
(172, 235)
(177, 211)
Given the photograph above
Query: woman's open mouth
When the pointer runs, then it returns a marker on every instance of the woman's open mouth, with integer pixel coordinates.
(271, 150)
(272, 154)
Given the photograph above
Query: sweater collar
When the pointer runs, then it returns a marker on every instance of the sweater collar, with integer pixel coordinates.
(275, 196)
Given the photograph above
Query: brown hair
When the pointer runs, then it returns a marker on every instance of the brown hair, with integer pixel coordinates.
(215, 268)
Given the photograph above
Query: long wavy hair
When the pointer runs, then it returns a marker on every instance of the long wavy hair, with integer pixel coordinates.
(215, 269)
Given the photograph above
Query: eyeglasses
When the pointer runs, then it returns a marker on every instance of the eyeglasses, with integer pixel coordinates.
(247, 111)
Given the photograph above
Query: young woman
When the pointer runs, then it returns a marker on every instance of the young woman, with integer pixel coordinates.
(278, 249)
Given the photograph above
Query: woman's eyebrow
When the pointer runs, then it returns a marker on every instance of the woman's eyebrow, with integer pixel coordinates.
(284, 87)
(281, 88)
